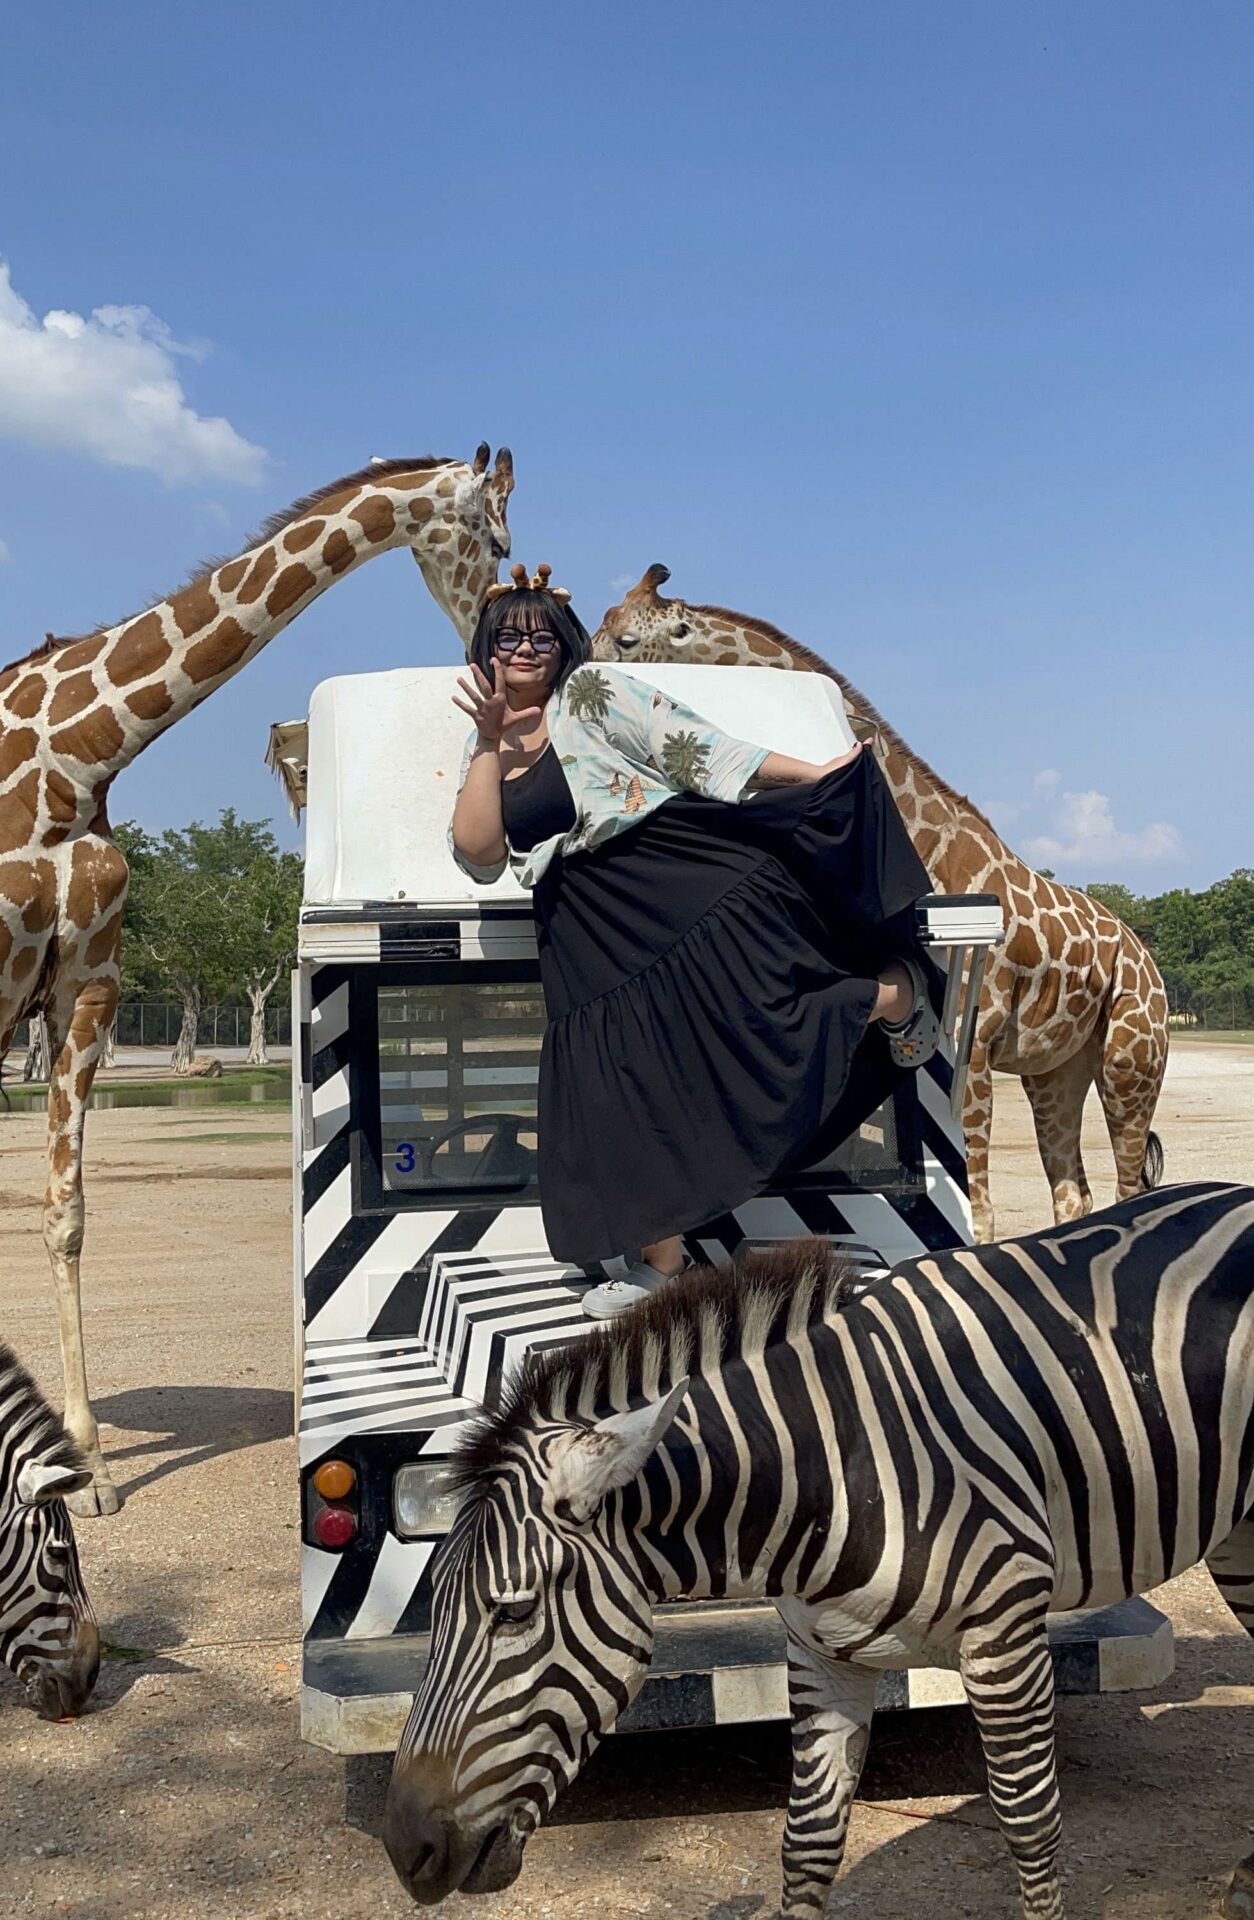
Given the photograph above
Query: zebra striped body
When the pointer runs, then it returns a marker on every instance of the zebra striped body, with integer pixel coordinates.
(48, 1634)
(916, 1475)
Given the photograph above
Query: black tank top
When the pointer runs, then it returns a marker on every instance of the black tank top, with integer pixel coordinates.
(537, 804)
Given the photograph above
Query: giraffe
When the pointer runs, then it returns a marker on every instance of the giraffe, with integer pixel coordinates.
(1071, 998)
(75, 712)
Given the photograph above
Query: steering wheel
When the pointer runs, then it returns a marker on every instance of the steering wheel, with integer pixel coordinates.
(503, 1159)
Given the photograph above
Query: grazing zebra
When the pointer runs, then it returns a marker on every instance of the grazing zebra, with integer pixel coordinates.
(916, 1474)
(48, 1632)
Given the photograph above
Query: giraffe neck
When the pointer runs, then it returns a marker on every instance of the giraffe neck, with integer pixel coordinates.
(86, 708)
(932, 810)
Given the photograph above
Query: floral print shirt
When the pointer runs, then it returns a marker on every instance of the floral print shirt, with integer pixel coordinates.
(625, 748)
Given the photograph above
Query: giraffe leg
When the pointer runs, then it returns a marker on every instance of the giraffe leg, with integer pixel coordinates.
(977, 1127)
(74, 1069)
(831, 1702)
(1232, 1568)
(1057, 1101)
(1129, 1081)
(1010, 1684)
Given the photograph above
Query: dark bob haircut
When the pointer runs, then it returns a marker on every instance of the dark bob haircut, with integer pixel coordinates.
(531, 610)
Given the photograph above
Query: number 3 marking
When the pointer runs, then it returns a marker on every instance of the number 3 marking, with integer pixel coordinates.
(406, 1158)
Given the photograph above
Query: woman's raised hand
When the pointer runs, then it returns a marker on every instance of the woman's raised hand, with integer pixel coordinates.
(488, 707)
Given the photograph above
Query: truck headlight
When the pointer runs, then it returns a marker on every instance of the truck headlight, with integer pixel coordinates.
(423, 1499)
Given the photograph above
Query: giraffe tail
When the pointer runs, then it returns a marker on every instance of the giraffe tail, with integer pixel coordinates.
(1152, 1165)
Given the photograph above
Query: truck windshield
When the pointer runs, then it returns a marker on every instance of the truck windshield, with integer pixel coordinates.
(458, 1073)
(458, 1080)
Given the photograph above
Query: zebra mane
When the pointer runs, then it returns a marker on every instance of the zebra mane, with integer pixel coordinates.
(29, 1428)
(714, 1316)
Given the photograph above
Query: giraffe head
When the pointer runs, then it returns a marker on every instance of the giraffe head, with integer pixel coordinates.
(643, 626)
(463, 535)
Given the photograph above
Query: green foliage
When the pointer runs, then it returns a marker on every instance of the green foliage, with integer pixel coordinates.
(1203, 943)
(212, 911)
(175, 930)
(1128, 906)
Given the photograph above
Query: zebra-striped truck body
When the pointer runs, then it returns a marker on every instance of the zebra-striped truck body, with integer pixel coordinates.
(422, 1272)
(917, 1475)
(48, 1635)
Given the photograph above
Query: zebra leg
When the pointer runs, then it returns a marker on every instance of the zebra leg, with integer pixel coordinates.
(831, 1702)
(1232, 1568)
(1010, 1684)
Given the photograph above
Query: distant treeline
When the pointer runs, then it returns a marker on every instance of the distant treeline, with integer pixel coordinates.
(1203, 943)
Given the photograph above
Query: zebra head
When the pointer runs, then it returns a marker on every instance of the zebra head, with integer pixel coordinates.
(48, 1633)
(541, 1635)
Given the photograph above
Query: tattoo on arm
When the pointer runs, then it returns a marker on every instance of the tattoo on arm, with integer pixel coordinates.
(763, 779)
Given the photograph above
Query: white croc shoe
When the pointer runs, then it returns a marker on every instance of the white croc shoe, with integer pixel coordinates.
(613, 1297)
(914, 1040)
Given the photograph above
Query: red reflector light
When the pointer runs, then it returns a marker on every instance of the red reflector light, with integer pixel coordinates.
(334, 1526)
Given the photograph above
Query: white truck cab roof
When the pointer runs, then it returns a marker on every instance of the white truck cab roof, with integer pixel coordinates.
(384, 752)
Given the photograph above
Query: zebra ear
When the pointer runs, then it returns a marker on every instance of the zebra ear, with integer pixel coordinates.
(611, 1453)
(39, 1482)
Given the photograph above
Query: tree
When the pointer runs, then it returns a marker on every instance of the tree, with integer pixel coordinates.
(176, 914)
(1123, 903)
(1203, 943)
(212, 911)
(263, 909)
(38, 1062)
(1120, 899)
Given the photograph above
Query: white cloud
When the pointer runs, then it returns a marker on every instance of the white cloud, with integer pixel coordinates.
(1076, 834)
(621, 582)
(108, 387)
(5, 555)
(1008, 814)
(1083, 834)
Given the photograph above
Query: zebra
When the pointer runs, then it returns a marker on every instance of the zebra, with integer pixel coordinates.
(48, 1632)
(916, 1473)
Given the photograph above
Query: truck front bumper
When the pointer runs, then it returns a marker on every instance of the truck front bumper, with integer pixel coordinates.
(715, 1666)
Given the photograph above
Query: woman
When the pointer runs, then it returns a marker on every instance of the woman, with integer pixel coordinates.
(710, 968)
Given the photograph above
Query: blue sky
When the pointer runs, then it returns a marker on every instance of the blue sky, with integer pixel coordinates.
(922, 331)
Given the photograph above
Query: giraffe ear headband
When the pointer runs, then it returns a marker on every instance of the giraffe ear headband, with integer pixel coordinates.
(518, 582)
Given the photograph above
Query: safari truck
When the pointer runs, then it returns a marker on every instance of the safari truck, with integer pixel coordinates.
(422, 1276)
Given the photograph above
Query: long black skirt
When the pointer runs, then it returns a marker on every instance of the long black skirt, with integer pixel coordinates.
(708, 978)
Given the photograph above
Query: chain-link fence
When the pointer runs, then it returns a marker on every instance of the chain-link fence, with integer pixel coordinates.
(1219, 1009)
(156, 1023)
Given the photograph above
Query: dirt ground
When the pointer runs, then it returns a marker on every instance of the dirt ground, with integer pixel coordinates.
(186, 1791)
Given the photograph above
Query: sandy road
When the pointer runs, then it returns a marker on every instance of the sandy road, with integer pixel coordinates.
(187, 1792)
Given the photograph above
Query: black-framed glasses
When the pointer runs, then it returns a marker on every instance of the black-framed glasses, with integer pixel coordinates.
(542, 644)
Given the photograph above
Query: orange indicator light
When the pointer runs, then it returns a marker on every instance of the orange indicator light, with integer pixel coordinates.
(335, 1479)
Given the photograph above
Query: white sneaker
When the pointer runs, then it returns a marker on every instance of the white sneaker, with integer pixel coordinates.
(613, 1297)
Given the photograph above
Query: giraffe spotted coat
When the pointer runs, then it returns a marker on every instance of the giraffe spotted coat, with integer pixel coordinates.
(74, 713)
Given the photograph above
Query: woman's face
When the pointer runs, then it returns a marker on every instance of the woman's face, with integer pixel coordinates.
(530, 659)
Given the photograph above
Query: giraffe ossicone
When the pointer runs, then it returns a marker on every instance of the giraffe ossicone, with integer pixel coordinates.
(1071, 999)
(75, 712)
